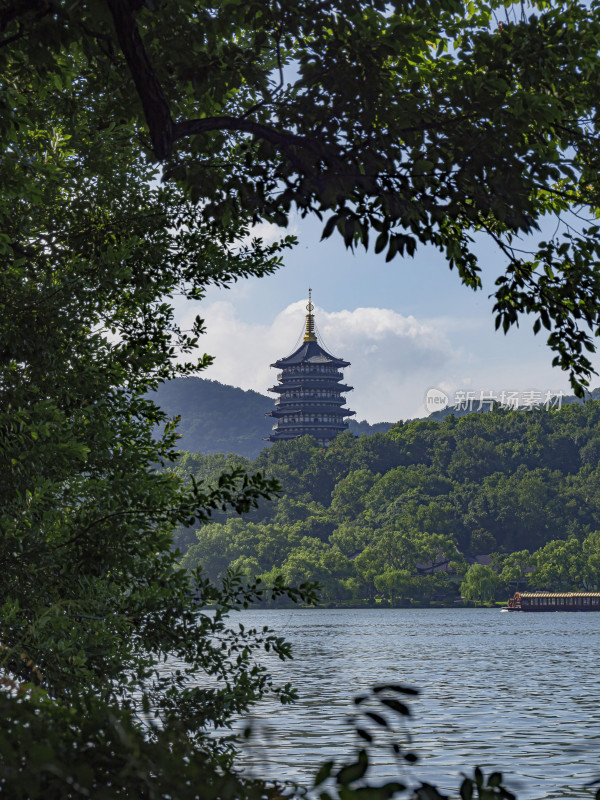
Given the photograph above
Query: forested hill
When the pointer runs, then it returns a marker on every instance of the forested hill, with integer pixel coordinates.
(370, 513)
(216, 418)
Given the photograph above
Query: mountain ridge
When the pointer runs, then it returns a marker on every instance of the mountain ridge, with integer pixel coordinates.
(218, 418)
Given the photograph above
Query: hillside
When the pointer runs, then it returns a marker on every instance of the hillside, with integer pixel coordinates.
(216, 418)
(404, 514)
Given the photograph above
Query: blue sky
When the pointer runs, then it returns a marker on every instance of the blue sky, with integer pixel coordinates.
(406, 326)
(341, 278)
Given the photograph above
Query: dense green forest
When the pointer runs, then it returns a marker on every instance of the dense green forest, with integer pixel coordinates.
(216, 418)
(490, 501)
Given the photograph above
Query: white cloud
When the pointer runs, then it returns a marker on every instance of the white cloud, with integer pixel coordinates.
(394, 358)
(269, 232)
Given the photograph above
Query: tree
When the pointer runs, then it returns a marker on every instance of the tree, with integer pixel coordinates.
(348, 497)
(350, 539)
(393, 582)
(338, 569)
(591, 570)
(521, 509)
(216, 548)
(430, 547)
(247, 567)
(93, 601)
(314, 562)
(423, 125)
(480, 584)
(559, 566)
(304, 564)
(367, 565)
(516, 568)
(482, 542)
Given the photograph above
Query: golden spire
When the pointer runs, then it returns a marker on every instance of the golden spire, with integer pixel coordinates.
(309, 335)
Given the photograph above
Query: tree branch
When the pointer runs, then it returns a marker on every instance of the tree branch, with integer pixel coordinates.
(191, 127)
(163, 131)
(149, 89)
(23, 7)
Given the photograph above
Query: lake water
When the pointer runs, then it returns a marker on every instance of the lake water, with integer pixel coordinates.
(515, 692)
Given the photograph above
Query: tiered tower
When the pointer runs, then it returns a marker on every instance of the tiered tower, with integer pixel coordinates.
(310, 393)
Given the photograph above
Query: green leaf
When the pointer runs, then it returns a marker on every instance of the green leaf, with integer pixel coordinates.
(354, 772)
(377, 718)
(381, 242)
(323, 773)
(395, 687)
(495, 779)
(396, 705)
(330, 226)
(466, 789)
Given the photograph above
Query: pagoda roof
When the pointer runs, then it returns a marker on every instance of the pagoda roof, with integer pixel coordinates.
(310, 352)
(336, 387)
(324, 432)
(282, 411)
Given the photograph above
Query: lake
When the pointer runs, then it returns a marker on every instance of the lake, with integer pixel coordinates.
(515, 692)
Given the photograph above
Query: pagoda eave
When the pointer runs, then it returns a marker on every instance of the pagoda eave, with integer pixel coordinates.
(324, 432)
(338, 363)
(334, 411)
(311, 384)
(310, 352)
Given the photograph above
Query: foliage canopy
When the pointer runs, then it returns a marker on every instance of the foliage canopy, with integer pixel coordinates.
(402, 515)
(405, 123)
(91, 601)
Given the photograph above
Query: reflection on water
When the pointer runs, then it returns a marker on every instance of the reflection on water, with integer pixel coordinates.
(516, 692)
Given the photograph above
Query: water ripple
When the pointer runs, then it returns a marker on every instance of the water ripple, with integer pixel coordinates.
(516, 692)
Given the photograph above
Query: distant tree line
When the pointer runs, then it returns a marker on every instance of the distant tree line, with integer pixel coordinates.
(410, 513)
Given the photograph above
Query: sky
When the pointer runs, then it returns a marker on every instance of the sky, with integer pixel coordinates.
(407, 327)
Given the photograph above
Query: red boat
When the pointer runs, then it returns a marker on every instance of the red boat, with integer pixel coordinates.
(554, 601)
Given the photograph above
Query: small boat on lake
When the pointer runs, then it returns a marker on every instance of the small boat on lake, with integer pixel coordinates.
(554, 601)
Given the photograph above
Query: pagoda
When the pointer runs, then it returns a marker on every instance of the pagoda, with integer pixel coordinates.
(310, 401)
